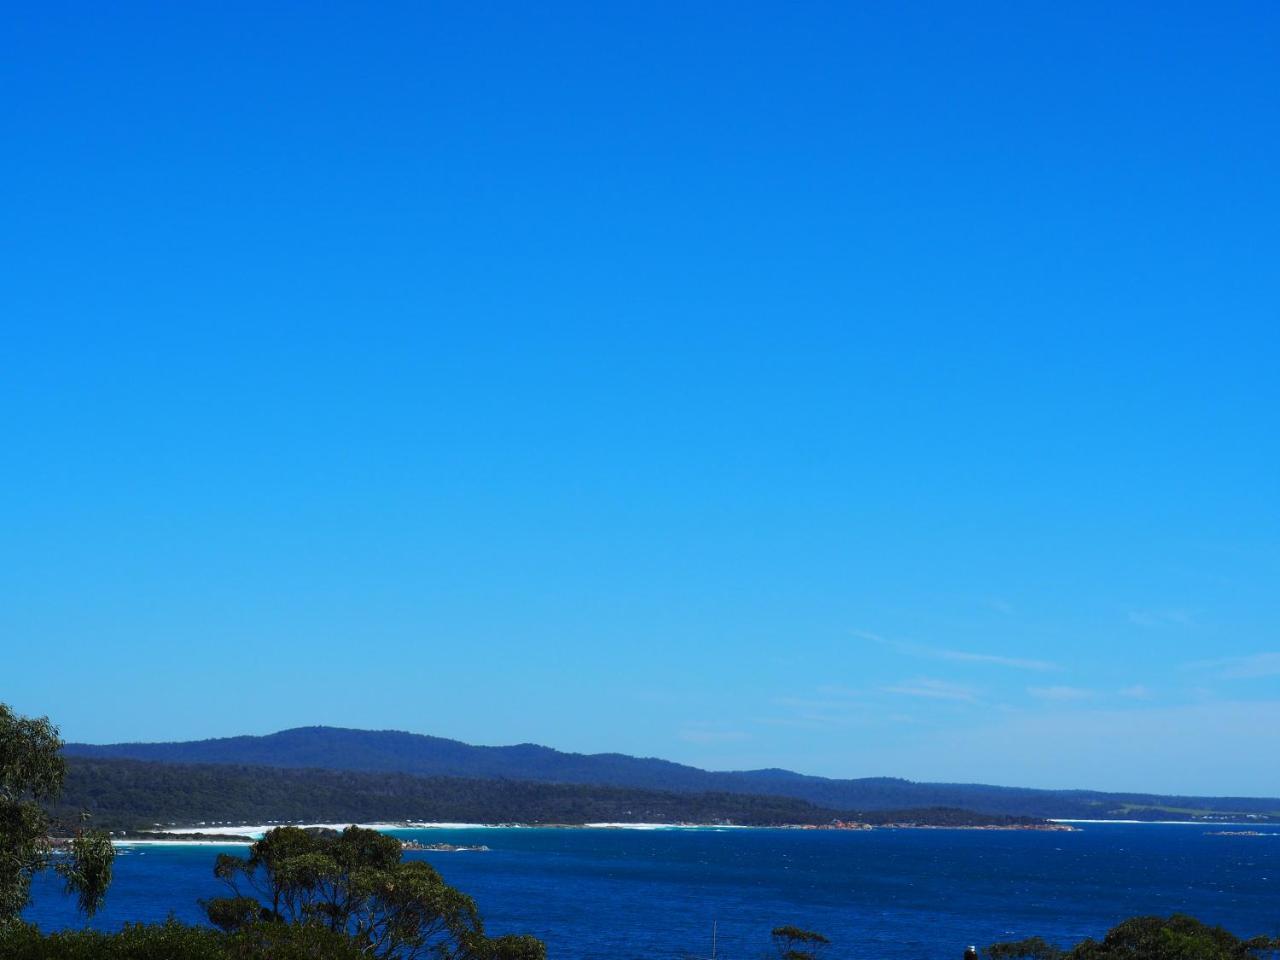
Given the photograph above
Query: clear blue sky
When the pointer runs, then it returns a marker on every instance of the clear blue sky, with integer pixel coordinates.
(857, 388)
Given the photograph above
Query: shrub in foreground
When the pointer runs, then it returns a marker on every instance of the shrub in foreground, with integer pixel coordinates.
(178, 941)
(1178, 937)
(259, 941)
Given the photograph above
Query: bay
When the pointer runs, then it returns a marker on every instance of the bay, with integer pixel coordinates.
(886, 894)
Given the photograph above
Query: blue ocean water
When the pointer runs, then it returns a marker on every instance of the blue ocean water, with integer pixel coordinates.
(884, 894)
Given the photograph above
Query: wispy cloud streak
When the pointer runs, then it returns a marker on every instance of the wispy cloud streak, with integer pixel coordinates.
(1136, 692)
(1060, 694)
(958, 656)
(1240, 668)
(932, 689)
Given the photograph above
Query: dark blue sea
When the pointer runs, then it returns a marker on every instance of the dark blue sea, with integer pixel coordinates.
(885, 894)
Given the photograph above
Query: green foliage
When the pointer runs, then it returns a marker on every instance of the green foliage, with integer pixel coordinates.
(173, 940)
(31, 771)
(511, 947)
(1032, 948)
(257, 941)
(356, 884)
(1178, 937)
(277, 941)
(31, 774)
(86, 872)
(795, 943)
(235, 913)
(30, 759)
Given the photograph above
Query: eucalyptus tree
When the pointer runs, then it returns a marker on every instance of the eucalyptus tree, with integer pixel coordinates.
(31, 775)
(357, 883)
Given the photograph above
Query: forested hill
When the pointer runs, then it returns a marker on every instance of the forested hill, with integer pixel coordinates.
(139, 795)
(334, 748)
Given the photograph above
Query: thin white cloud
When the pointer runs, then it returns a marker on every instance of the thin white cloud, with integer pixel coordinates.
(811, 704)
(836, 709)
(934, 690)
(874, 638)
(1241, 668)
(1136, 692)
(957, 656)
(1016, 662)
(1060, 694)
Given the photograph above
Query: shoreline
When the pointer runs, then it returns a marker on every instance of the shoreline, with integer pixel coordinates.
(1173, 823)
(223, 835)
(226, 835)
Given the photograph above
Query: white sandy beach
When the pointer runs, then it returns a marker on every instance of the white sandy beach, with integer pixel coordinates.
(125, 842)
(257, 831)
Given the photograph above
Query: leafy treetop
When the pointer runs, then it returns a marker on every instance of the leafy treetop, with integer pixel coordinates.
(1178, 937)
(31, 776)
(356, 882)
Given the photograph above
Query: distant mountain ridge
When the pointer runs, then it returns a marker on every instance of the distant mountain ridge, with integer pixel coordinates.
(393, 751)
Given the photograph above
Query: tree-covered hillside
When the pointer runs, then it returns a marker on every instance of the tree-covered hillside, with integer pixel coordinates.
(334, 748)
(130, 794)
